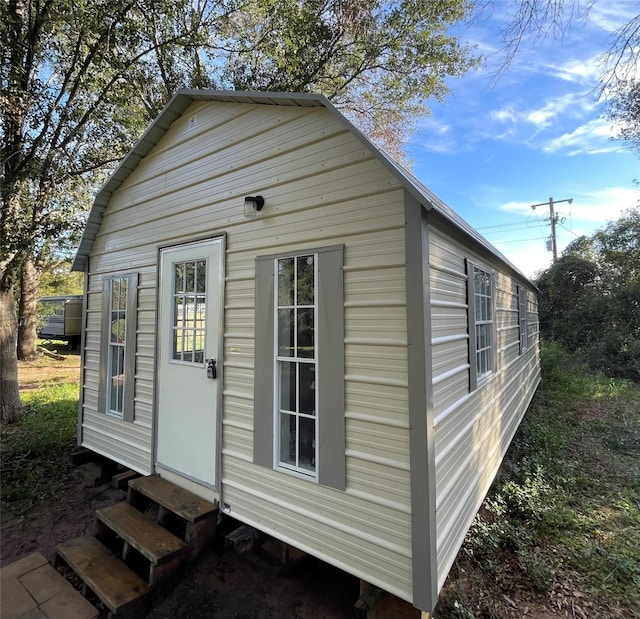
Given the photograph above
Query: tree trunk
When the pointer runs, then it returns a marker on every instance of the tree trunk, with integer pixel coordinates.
(28, 310)
(10, 405)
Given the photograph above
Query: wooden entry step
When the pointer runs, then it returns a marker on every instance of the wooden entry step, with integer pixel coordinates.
(119, 588)
(177, 500)
(158, 531)
(151, 540)
(198, 517)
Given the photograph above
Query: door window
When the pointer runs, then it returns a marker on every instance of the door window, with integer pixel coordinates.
(188, 330)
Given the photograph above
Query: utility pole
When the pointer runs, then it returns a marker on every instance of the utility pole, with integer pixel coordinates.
(553, 220)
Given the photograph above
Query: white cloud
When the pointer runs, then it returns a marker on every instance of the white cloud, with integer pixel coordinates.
(591, 138)
(597, 206)
(609, 16)
(602, 205)
(530, 257)
(523, 208)
(581, 71)
(437, 137)
(504, 115)
(554, 111)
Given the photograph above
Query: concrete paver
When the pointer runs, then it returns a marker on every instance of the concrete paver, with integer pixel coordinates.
(23, 566)
(16, 601)
(32, 589)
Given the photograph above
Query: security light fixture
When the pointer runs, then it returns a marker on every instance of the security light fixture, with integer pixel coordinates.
(253, 204)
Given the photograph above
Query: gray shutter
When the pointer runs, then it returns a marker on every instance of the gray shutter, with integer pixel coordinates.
(331, 400)
(471, 321)
(263, 364)
(130, 347)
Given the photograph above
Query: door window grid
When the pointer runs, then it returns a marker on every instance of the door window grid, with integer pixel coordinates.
(296, 425)
(189, 311)
(117, 346)
(483, 304)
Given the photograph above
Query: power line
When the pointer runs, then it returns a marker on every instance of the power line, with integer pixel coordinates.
(535, 238)
(569, 230)
(514, 223)
(534, 228)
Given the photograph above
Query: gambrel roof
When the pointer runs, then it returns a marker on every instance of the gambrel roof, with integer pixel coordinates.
(183, 99)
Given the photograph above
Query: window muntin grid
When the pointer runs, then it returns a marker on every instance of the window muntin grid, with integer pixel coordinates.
(296, 364)
(483, 308)
(523, 319)
(189, 311)
(117, 345)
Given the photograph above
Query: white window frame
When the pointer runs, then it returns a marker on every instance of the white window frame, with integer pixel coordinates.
(117, 380)
(481, 322)
(128, 347)
(523, 319)
(295, 468)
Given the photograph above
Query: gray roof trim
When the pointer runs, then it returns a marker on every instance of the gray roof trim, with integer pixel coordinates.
(183, 98)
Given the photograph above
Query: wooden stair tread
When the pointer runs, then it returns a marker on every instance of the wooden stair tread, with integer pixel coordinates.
(108, 577)
(185, 504)
(147, 537)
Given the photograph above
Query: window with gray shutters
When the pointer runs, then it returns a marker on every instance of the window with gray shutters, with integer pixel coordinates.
(299, 425)
(481, 323)
(118, 346)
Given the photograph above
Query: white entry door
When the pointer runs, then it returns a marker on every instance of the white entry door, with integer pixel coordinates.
(190, 344)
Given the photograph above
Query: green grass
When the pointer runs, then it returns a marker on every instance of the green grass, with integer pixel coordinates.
(35, 451)
(565, 507)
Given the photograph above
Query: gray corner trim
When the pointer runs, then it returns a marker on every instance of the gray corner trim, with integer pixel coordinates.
(421, 414)
(331, 398)
(263, 365)
(83, 330)
(131, 326)
(104, 346)
(221, 322)
(471, 325)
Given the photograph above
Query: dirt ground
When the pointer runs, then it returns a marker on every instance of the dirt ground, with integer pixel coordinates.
(221, 584)
(225, 585)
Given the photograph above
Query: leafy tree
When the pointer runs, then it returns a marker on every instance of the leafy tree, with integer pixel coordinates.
(59, 281)
(80, 79)
(590, 298)
(67, 112)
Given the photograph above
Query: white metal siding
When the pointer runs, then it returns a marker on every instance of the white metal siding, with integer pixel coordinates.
(472, 430)
(321, 187)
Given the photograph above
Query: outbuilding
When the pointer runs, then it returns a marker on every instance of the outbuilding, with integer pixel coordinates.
(281, 319)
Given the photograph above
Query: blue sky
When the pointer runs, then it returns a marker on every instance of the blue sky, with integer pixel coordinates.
(491, 150)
